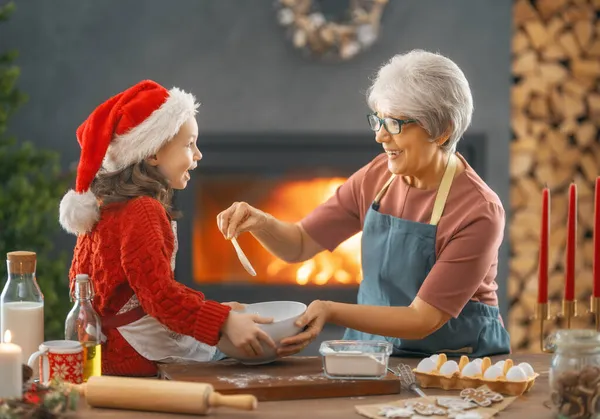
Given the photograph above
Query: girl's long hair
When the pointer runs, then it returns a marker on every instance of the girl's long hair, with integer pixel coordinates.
(138, 179)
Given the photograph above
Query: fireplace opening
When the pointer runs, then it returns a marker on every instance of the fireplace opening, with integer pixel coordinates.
(286, 198)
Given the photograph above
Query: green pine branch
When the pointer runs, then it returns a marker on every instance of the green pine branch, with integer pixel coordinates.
(32, 185)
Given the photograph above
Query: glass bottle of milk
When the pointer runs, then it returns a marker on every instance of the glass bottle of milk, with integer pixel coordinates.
(22, 303)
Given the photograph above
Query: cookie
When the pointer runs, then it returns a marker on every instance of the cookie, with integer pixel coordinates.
(425, 409)
(483, 397)
(464, 415)
(396, 412)
(455, 403)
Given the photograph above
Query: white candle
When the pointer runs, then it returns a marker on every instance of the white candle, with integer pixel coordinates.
(11, 369)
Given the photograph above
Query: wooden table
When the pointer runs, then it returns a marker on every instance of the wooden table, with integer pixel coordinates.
(529, 406)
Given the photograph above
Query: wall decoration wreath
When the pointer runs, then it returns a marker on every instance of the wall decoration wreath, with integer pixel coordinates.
(317, 36)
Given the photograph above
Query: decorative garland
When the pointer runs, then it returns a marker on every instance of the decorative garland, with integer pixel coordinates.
(317, 36)
(56, 401)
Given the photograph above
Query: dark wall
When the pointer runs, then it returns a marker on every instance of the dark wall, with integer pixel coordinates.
(233, 56)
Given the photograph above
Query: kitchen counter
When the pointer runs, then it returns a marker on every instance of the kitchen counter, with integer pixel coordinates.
(530, 405)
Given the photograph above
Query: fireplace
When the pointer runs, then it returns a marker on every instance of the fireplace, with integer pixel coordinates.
(286, 175)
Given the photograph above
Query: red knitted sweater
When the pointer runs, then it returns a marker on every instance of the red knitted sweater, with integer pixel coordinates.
(129, 251)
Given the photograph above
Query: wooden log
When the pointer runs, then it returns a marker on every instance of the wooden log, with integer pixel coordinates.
(523, 266)
(523, 11)
(537, 33)
(556, 283)
(539, 128)
(521, 163)
(530, 188)
(569, 125)
(594, 49)
(574, 88)
(547, 8)
(574, 107)
(519, 96)
(554, 52)
(524, 145)
(538, 107)
(517, 199)
(583, 285)
(557, 104)
(577, 13)
(584, 187)
(554, 27)
(520, 42)
(558, 208)
(553, 73)
(556, 249)
(525, 63)
(544, 154)
(518, 335)
(593, 101)
(585, 68)
(557, 142)
(587, 249)
(514, 287)
(568, 42)
(584, 30)
(589, 167)
(585, 134)
(585, 211)
(520, 124)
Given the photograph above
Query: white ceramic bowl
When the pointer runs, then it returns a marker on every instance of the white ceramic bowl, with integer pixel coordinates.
(284, 314)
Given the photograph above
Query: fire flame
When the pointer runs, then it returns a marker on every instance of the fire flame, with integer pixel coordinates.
(215, 260)
(291, 202)
(7, 336)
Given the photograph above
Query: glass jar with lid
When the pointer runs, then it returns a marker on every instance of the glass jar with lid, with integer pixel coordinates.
(575, 374)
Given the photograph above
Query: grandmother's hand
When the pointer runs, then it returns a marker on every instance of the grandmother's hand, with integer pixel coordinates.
(240, 217)
(313, 320)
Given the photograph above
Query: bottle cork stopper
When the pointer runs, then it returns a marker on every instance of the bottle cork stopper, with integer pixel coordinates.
(21, 262)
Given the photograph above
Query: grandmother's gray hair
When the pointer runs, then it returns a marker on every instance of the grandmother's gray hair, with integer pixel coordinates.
(428, 87)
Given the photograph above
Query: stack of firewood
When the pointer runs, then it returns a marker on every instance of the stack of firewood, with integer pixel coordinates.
(555, 118)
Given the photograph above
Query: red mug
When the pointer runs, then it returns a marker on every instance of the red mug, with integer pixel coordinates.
(59, 359)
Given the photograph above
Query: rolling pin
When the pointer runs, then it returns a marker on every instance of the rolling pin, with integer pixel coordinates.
(158, 395)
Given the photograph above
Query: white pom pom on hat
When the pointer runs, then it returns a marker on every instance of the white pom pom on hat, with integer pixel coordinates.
(125, 129)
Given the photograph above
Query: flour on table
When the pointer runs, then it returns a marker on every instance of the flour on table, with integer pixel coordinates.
(244, 380)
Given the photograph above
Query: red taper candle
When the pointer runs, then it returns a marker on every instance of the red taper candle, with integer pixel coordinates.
(544, 241)
(571, 244)
(596, 266)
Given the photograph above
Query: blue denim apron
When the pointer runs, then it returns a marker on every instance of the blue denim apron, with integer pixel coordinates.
(397, 256)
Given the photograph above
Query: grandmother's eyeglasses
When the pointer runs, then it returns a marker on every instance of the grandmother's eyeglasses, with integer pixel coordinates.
(392, 125)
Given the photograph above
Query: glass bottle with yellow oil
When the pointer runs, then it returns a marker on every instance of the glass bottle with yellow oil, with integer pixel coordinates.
(83, 325)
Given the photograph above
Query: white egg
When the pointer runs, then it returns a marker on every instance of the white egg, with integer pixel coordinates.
(527, 368)
(500, 364)
(492, 372)
(449, 368)
(426, 365)
(478, 361)
(471, 370)
(516, 374)
(434, 358)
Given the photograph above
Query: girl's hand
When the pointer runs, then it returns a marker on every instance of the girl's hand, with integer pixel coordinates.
(238, 218)
(313, 320)
(235, 306)
(243, 332)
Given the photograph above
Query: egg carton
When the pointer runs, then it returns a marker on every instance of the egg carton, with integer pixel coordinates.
(509, 379)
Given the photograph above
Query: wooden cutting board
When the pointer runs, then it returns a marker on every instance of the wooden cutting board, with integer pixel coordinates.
(289, 378)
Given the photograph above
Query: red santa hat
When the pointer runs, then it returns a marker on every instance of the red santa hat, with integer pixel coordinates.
(124, 130)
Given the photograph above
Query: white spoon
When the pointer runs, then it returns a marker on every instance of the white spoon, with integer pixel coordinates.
(242, 257)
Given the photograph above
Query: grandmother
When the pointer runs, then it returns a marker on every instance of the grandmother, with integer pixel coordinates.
(431, 227)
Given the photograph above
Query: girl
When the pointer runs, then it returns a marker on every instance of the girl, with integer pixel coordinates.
(135, 149)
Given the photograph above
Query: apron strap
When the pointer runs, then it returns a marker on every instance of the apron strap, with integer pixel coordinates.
(384, 190)
(442, 193)
(443, 190)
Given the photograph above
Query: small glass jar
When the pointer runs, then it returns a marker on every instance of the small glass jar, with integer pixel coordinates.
(575, 374)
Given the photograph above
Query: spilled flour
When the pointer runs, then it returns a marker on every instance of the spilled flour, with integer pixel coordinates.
(244, 380)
